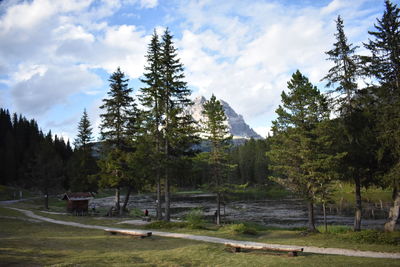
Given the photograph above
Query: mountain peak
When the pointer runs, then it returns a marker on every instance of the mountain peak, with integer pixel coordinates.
(237, 126)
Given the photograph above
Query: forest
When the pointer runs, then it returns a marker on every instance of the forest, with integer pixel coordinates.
(349, 132)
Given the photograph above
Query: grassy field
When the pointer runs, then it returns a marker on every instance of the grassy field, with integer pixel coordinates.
(338, 237)
(25, 243)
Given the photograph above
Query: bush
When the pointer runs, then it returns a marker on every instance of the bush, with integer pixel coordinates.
(195, 219)
(374, 237)
(240, 228)
(136, 212)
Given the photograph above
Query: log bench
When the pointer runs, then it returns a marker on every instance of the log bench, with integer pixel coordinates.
(237, 247)
(129, 232)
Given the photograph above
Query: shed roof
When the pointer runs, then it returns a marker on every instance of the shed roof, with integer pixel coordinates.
(78, 196)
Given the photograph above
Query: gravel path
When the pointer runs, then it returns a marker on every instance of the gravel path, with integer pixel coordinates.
(331, 251)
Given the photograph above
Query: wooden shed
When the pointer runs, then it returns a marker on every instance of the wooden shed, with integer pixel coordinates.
(78, 202)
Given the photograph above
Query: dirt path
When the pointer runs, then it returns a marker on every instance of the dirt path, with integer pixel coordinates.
(331, 251)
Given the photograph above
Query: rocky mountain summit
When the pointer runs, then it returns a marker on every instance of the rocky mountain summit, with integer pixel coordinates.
(237, 126)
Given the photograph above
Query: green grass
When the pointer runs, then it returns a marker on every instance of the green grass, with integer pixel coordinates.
(43, 244)
(345, 192)
(337, 236)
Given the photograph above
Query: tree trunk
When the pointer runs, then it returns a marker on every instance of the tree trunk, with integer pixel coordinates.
(311, 223)
(46, 199)
(158, 201)
(167, 198)
(218, 219)
(325, 222)
(166, 151)
(358, 209)
(126, 200)
(394, 212)
(117, 200)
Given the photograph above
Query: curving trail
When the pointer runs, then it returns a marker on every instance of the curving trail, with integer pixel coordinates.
(307, 249)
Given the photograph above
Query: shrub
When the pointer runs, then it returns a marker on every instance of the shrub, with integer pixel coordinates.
(374, 237)
(136, 212)
(240, 228)
(195, 219)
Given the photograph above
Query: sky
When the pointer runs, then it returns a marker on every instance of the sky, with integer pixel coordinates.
(56, 55)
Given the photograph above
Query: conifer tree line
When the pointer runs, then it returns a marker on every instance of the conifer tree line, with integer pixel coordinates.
(360, 144)
(31, 159)
(154, 147)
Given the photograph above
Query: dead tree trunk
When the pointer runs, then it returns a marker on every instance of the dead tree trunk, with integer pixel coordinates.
(358, 208)
(394, 213)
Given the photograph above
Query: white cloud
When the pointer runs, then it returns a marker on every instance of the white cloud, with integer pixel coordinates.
(44, 42)
(148, 3)
(40, 92)
(142, 3)
(263, 131)
(245, 51)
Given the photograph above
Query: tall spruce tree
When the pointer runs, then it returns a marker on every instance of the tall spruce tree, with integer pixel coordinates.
(46, 168)
(343, 76)
(383, 65)
(177, 124)
(114, 131)
(82, 166)
(151, 100)
(299, 154)
(84, 137)
(218, 135)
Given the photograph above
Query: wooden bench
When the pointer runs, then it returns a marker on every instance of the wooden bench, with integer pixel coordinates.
(129, 232)
(237, 247)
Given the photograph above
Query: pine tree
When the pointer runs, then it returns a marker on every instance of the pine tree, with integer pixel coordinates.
(82, 165)
(219, 136)
(46, 168)
(343, 75)
(114, 131)
(178, 125)
(298, 155)
(151, 99)
(84, 137)
(383, 65)
(166, 122)
(5, 130)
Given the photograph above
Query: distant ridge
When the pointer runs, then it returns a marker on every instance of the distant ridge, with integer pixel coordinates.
(237, 126)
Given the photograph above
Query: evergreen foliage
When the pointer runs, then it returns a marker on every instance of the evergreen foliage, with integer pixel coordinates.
(82, 166)
(299, 155)
(166, 98)
(383, 66)
(251, 162)
(152, 101)
(344, 72)
(116, 127)
(343, 75)
(219, 136)
(22, 144)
